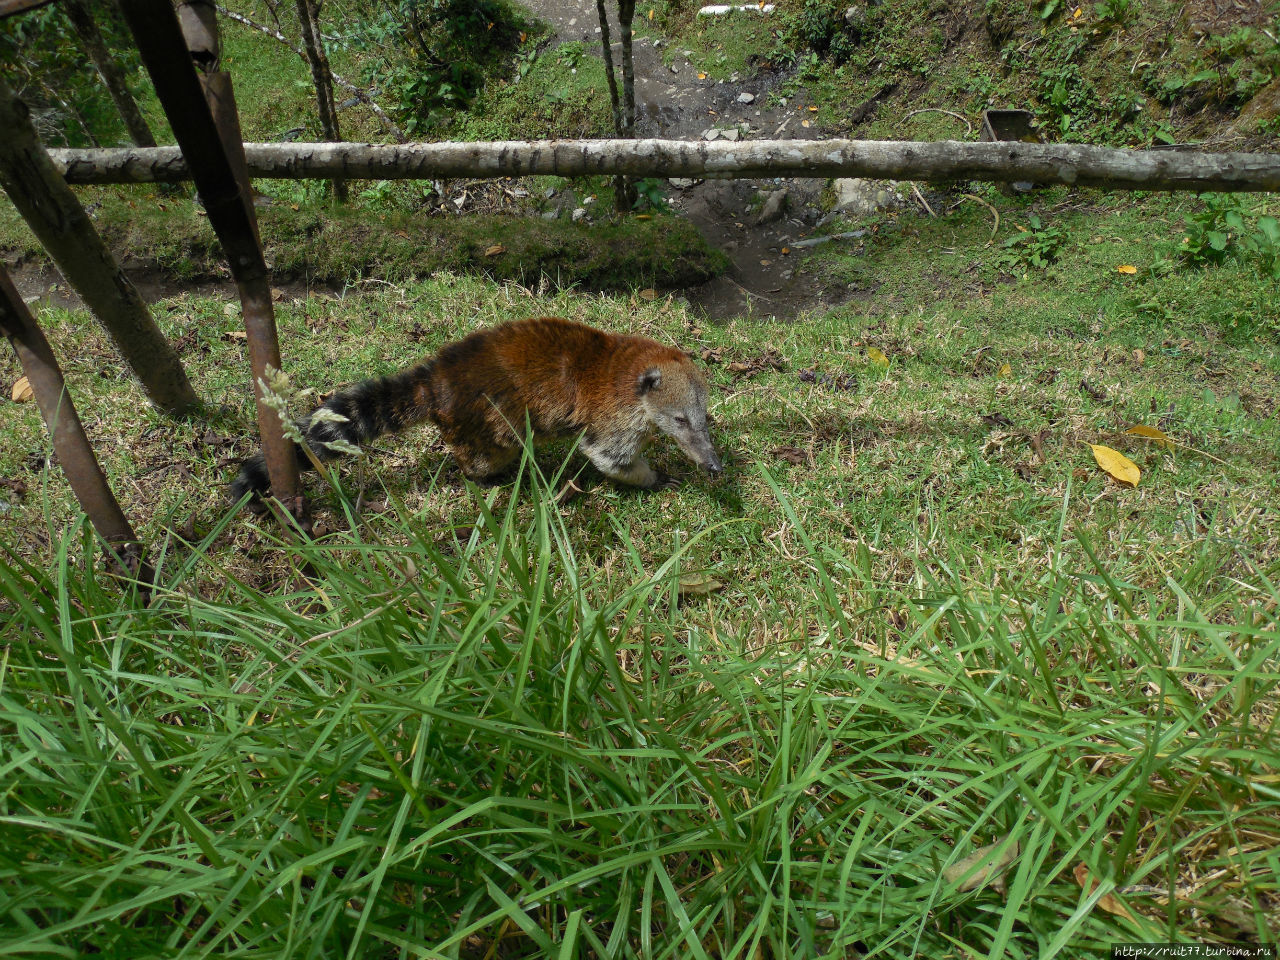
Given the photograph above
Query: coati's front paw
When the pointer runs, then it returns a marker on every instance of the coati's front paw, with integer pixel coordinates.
(664, 481)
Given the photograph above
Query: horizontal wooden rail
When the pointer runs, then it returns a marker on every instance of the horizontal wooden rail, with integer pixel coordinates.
(1104, 167)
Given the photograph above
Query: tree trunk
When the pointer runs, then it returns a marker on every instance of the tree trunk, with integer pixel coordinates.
(626, 15)
(624, 192)
(313, 44)
(57, 219)
(942, 161)
(109, 70)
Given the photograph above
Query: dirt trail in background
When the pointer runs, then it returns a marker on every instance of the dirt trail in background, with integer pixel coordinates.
(671, 102)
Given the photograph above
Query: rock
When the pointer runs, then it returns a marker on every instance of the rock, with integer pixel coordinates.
(579, 213)
(682, 183)
(745, 97)
(774, 202)
(858, 197)
(711, 134)
(731, 134)
(551, 215)
(550, 192)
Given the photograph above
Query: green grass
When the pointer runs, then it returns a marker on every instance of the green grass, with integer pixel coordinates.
(940, 626)
(493, 746)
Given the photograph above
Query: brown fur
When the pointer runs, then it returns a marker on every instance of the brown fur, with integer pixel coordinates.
(566, 378)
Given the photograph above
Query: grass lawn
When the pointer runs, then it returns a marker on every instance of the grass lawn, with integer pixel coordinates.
(915, 677)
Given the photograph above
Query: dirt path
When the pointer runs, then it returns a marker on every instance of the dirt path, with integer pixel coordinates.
(672, 102)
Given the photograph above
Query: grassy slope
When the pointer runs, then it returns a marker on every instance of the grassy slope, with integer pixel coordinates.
(524, 743)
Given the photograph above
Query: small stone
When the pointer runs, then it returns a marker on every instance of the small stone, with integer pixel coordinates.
(771, 210)
(731, 134)
(682, 183)
(710, 134)
(551, 215)
(551, 192)
(579, 213)
(745, 97)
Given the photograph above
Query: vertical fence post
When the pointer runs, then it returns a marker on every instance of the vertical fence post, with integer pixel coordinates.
(56, 217)
(69, 441)
(204, 122)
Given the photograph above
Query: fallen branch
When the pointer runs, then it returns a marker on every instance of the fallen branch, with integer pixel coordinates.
(946, 160)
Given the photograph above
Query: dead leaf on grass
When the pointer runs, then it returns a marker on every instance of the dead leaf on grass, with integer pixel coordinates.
(996, 419)
(1096, 392)
(991, 871)
(648, 293)
(698, 585)
(1116, 465)
(1127, 269)
(709, 355)
(235, 335)
(494, 250)
(791, 455)
(1107, 901)
(22, 392)
(17, 487)
(877, 356)
(1151, 433)
(1139, 356)
(1005, 370)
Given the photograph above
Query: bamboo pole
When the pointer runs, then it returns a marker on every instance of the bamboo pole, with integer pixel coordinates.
(70, 443)
(1075, 164)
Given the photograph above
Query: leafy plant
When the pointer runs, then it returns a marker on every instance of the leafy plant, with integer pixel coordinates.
(649, 194)
(1219, 232)
(1037, 247)
(431, 56)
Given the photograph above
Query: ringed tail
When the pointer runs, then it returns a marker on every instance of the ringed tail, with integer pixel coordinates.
(371, 407)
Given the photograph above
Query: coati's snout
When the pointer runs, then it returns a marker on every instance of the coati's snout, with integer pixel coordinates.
(676, 403)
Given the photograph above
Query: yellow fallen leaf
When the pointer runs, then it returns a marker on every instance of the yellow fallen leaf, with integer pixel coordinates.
(1139, 356)
(1127, 268)
(804, 123)
(644, 216)
(496, 249)
(1119, 467)
(1078, 12)
(648, 293)
(785, 250)
(1152, 433)
(813, 109)
(22, 392)
(876, 356)
(1005, 370)
(702, 76)
(651, 13)
(1107, 901)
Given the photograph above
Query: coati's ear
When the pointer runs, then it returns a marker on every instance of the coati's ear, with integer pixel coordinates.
(651, 379)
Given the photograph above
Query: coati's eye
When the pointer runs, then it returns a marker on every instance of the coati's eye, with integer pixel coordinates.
(682, 421)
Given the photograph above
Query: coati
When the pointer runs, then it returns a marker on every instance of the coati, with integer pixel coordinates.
(568, 378)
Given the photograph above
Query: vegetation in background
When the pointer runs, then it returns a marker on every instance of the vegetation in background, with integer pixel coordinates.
(432, 56)
(50, 70)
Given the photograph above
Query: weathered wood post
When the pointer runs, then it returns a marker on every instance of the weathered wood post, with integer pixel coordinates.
(69, 440)
(202, 113)
(62, 226)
